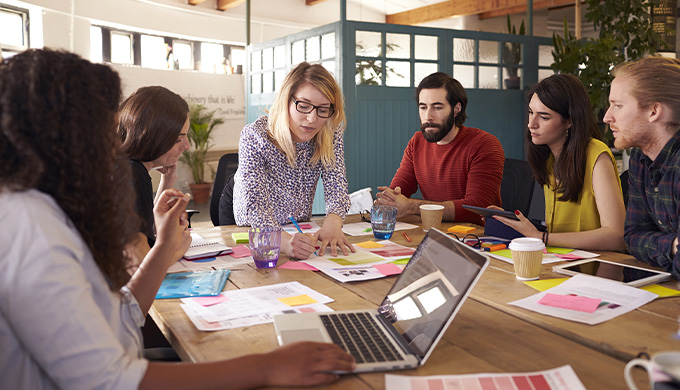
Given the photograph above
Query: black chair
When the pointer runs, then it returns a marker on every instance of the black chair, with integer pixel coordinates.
(624, 186)
(517, 186)
(226, 168)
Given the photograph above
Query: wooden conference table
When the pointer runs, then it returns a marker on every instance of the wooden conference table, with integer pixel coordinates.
(487, 335)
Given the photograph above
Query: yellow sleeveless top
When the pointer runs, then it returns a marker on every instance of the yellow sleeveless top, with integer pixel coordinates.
(581, 215)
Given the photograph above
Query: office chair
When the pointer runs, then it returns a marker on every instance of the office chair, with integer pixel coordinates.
(226, 168)
(517, 186)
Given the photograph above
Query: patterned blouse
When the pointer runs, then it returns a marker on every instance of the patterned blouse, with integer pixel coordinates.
(267, 190)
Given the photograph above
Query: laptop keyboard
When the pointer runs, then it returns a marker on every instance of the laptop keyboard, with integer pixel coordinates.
(360, 336)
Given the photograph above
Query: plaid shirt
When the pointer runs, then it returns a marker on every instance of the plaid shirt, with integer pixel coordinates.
(654, 206)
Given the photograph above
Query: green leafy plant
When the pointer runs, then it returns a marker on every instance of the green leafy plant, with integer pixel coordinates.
(624, 34)
(202, 123)
(512, 51)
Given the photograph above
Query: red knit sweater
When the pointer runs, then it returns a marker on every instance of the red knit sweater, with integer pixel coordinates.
(467, 171)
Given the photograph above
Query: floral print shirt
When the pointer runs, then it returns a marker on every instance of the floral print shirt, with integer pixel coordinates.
(268, 191)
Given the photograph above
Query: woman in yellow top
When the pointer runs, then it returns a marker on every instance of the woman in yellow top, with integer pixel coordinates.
(583, 201)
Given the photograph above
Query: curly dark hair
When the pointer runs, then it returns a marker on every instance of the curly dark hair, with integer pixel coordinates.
(58, 135)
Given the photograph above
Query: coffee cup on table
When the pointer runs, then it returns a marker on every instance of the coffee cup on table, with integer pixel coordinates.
(662, 367)
(527, 256)
(431, 215)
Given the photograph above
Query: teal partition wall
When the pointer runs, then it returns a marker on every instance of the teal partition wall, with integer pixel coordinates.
(378, 67)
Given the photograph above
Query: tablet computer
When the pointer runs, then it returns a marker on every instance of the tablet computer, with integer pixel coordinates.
(488, 213)
(623, 273)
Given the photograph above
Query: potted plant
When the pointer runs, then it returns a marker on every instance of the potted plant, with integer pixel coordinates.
(202, 123)
(512, 55)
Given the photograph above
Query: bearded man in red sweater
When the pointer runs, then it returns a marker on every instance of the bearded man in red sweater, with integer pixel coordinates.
(452, 164)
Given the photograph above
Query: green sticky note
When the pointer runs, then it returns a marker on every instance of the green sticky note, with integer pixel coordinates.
(401, 261)
(240, 237)
(560, 251)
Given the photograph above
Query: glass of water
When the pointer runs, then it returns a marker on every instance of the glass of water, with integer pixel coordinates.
(265, 244)
(383, 219)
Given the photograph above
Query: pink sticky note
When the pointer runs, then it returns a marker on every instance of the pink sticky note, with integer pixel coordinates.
(305, 225)
(388, 269)
(208, 301)
(240, 251)
(568, 256)
(297, 265)
(571, 302)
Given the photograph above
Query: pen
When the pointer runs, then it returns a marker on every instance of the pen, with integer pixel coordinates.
(406, 237)
(299, 229)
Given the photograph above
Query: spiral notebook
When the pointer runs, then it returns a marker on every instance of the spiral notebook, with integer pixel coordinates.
(203, 249)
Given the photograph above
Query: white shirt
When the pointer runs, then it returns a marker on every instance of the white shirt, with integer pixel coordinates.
(60, 324)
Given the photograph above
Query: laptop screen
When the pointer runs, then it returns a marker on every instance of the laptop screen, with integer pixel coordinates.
(431, 288)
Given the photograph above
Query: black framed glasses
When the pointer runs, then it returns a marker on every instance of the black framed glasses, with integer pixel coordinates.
(469, 239)
(306, 108)
(365, 216)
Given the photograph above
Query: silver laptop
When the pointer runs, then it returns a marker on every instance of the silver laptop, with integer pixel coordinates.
(406, 327)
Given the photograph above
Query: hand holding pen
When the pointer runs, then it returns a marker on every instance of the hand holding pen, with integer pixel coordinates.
(301, 245)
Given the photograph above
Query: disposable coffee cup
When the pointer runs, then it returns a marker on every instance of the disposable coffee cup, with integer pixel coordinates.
(431, 215)
(527, 255)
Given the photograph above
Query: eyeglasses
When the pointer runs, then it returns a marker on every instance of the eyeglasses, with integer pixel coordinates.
(469, 239)
(366, 216)
(306, 108)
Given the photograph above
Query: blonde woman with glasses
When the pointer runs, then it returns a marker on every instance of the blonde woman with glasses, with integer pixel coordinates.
(282, 156)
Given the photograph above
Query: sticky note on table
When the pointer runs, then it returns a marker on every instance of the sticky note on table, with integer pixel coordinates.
(209, 301)
(544, 284)
(460, 229)
(240, 237)
(661, 291)
(369, 244)
(240, 251)
(298, 300)
(298, 265)
(305, 226)
(570, 302)
(388, 269)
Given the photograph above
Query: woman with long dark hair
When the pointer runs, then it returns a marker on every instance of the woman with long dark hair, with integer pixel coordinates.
(583, 201)
(70, 313)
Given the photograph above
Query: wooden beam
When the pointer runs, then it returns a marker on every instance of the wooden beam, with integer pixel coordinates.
(520, 9)
(312, 2)
(224, 5)
(195, 2)
(451, 8)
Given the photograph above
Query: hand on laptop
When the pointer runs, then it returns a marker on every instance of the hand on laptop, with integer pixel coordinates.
(306, 364)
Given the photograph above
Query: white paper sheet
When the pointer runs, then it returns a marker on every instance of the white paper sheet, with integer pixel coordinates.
(561, 378)
(255, 301)
(219, 262)
(617, 299)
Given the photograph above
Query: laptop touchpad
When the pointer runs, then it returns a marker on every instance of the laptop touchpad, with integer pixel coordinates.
(293, 336)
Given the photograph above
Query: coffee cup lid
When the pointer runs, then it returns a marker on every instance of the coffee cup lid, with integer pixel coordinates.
(432, 207)
(526, 244)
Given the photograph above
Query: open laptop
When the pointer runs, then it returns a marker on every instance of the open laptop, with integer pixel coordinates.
(412, 317)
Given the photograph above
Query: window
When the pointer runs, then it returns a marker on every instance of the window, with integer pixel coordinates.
(183, 53)
(212, 58)
(121, 48)
(13, 31)
(96, 44)
(155, 53)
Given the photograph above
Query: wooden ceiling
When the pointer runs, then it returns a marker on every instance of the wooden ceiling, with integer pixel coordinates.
(446, 9)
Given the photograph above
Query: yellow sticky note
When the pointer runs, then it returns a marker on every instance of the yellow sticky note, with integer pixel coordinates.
(545, 284)
(561, 251)
(369, 244)
(460, 229)
(303, 299)
(661, 291)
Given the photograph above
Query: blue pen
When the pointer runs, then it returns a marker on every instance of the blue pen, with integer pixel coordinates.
(298, 229)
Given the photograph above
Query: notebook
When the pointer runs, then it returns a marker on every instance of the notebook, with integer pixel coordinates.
(203, 249)
(413, 316)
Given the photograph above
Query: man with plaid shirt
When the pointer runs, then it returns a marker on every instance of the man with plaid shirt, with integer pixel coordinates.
(644, 114)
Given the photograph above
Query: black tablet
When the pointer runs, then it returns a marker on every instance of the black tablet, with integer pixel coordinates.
(488, 213)
(627, 274)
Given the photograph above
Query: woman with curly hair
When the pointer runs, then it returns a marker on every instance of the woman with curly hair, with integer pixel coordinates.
(583, 200)
(70, 312)
(283, 155)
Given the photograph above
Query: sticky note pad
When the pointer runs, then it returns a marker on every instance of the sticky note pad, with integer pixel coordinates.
(661, 291)
(544, 284)
(369, 244)
(571, 302)
(460, 229)
(388, 269)
(240, 237)
(303, 299)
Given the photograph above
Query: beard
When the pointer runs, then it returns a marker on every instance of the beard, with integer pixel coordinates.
(444, 129)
